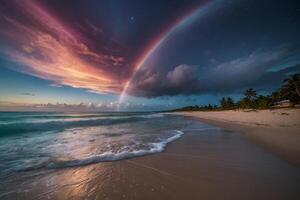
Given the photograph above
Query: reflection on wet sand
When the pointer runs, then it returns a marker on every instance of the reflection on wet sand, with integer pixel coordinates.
(78, 183)
(211, 164)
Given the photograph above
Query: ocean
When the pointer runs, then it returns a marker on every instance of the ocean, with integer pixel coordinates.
(134, 156)
(36, 140)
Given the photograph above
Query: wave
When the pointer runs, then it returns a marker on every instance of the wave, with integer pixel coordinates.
(7, 129)
(109, 156)
(202, 129)
(16, 116)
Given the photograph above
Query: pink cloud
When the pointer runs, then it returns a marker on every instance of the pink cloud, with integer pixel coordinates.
(47, 48)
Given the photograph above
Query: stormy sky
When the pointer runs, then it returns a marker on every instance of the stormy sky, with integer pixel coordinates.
(142, 55)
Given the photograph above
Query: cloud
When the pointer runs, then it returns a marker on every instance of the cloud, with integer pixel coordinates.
(182, 75)
(80, 107)
(27, 94)
(48, 48)
(183, 79)
(55, 85)
(241, 72)
(226, 77)
(275, 78)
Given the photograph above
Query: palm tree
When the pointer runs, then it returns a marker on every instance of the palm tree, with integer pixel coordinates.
(229, 102)
(250, 94)
(223, 103)
(276, 96)
(292, 84)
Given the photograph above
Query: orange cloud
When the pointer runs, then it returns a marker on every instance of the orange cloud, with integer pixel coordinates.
(50, 50)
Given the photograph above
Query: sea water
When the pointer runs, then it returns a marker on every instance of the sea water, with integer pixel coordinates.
(91, 156)
(37, 140)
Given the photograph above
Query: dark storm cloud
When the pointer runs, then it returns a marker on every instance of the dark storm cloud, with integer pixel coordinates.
(237, 74)
(275, 78)
(241, 72)
(181, 80)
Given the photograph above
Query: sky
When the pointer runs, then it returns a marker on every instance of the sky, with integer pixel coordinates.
(142, 55)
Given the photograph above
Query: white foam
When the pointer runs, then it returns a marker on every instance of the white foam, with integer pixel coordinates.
(202, 129)
(110, 156)
(156, 115)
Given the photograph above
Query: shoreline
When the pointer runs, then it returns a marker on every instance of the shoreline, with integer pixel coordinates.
(277, 131)
(207, 162)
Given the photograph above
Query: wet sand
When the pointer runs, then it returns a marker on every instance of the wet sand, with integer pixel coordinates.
(206, 163)
(277, 131)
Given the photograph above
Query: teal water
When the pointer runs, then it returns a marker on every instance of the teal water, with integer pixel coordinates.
(72, 156)
(35, 140)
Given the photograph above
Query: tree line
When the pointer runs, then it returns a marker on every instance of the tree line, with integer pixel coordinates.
(289, 91)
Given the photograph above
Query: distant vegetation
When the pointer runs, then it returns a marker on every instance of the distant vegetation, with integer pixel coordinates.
(288, 93)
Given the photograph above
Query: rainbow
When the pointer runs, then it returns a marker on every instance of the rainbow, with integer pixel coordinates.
(185, 20)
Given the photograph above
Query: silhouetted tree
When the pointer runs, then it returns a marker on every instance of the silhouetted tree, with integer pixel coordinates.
(291, 89)
(250, 94)
(223, 103)
(230, 102)
(243, 103)
(249, 100)
(276, 97)
(263, 102)
(210, 107)
(227, 103)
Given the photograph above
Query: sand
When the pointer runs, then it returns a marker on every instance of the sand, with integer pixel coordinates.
(278, 130)
(205, 163)
(193, 167)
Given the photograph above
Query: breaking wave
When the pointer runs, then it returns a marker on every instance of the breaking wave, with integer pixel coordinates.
(149, 148)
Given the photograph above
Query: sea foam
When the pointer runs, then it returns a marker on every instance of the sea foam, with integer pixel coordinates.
(108, 156)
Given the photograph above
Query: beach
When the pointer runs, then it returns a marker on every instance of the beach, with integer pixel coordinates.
(277, 130)
(149, 100)
(205, 162)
